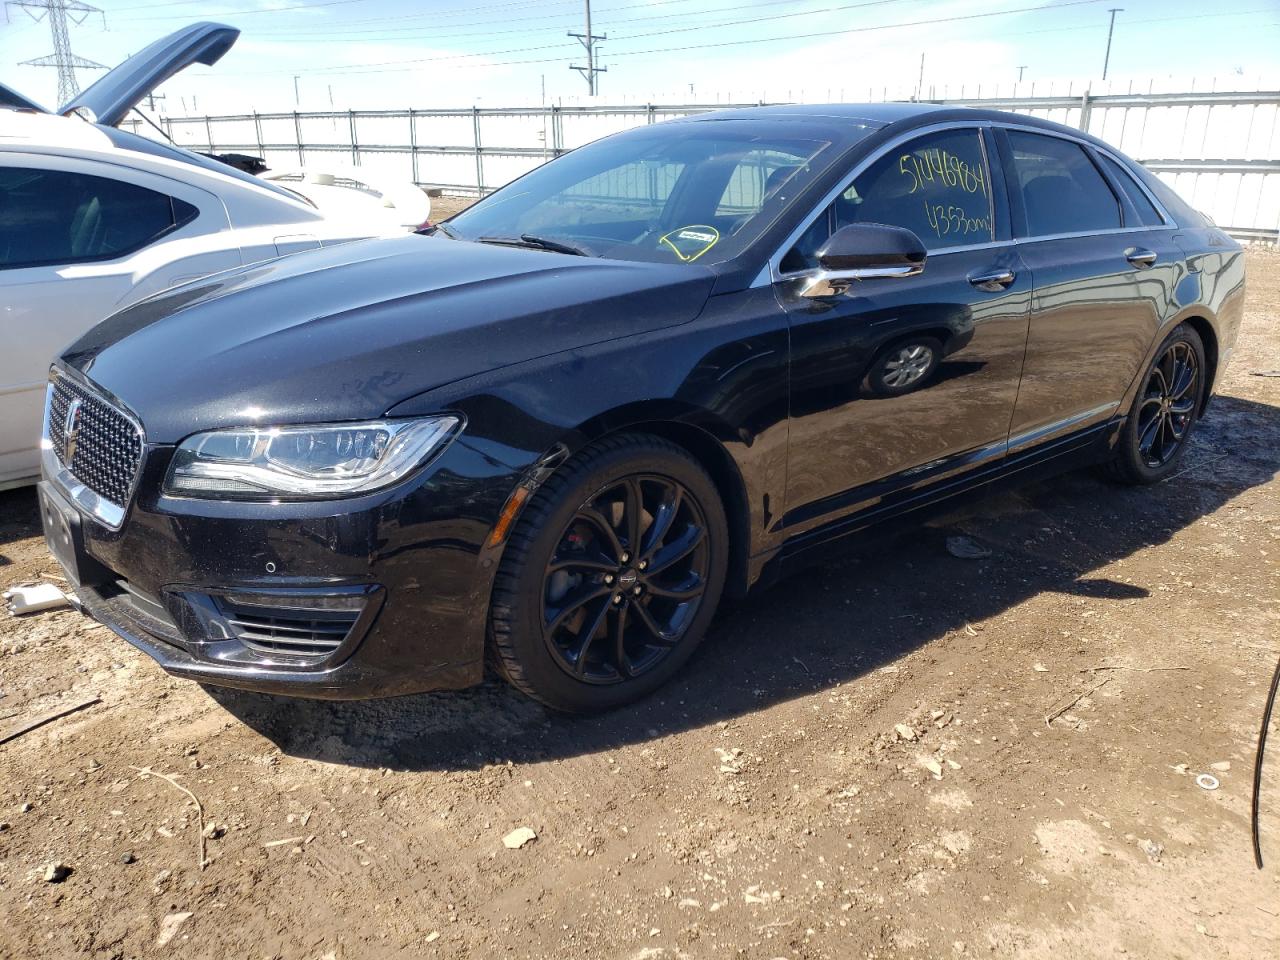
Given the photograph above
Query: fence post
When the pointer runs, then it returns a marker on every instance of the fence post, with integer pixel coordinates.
(475, 127)
(297, 129)
(208, 132)
(355, 145)
(413, 147)
(649, 112)
(1084, 111)
(557, 134)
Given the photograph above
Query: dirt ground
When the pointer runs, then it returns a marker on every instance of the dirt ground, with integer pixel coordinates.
(765, 805)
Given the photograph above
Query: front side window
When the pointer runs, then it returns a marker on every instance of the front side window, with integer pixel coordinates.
(50, 217)
(937, 186)
(673, 193)
(1062, 191)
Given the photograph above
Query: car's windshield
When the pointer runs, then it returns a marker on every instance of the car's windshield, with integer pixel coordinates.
(697, 192)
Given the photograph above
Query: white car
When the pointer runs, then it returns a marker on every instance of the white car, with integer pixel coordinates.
(93, 218)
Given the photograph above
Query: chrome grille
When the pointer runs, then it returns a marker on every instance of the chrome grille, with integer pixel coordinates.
(107, 451)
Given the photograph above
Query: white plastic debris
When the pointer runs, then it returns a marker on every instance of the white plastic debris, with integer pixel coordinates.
(43, 596)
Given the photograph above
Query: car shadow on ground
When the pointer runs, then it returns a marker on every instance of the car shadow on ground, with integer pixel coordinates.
(833, 625)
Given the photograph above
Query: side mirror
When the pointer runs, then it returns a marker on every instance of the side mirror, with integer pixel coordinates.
(863, 251)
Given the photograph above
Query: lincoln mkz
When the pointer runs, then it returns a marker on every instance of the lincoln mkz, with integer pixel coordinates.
(554, 432)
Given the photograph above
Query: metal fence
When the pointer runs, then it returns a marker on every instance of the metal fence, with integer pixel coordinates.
(1219, 150)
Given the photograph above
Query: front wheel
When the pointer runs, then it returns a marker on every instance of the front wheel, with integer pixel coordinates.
(611, 577)
(1155, 434)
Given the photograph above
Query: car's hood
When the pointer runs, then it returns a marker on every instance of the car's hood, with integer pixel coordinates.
(348, 332)
(119, 91)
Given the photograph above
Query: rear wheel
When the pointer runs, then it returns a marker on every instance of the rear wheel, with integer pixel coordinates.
(611, 576)
(1155, 435)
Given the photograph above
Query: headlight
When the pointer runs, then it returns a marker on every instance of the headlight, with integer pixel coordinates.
(304, 462)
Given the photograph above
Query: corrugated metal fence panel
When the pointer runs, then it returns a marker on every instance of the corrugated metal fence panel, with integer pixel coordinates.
(1220, 150)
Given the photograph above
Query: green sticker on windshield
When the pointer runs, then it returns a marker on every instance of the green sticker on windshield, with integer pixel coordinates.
(691, 242)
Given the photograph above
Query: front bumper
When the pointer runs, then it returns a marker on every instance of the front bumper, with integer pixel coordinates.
(410, 564)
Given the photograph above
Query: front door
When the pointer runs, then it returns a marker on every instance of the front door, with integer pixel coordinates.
(902, 382)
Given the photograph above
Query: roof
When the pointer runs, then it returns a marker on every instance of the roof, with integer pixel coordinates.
(879, 115)
(868, 114)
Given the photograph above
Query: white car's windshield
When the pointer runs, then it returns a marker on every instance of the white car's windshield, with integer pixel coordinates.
(676, 193)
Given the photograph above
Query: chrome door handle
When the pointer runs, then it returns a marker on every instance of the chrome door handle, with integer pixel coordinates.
(993, 281)
(1139, 257)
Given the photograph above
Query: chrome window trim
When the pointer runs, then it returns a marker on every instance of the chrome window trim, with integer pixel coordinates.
(109, 514)
(772, 271)
(1090, 233)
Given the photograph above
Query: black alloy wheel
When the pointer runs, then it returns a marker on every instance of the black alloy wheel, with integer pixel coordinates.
(1164, 413)
(1168, 404)
(625, 580)
(611, 576)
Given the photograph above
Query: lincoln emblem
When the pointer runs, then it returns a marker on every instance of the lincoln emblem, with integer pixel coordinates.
(71, 430)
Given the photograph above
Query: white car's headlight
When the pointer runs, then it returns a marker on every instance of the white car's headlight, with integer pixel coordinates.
(304, 462)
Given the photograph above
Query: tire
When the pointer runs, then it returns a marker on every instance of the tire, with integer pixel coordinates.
(903, 366)
(563, 650)
(1164, 413)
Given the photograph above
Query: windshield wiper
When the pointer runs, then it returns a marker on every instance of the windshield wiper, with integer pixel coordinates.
(541, 243)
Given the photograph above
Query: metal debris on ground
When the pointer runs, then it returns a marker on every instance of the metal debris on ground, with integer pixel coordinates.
(1207, 781)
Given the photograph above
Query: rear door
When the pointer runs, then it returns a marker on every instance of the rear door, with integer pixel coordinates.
(1103, 278)
(858, 439)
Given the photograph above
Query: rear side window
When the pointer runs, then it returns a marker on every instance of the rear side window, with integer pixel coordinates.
(50, 217)
(1148, 215)
(1062, 191)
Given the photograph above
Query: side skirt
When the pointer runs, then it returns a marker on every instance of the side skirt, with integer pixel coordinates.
(891, 516)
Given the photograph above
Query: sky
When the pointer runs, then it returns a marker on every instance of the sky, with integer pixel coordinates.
(394, 54)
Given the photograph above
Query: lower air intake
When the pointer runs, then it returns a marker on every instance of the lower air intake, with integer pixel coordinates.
(277, 630)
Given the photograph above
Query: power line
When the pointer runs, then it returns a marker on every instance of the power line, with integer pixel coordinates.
(327, 3)
(58, 12)
(366, 68)
(552, 22)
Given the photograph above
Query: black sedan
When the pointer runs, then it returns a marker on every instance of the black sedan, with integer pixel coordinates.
(555, 432)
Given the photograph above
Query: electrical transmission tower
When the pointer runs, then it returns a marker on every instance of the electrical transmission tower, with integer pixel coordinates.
(589, 41)
(58, 12)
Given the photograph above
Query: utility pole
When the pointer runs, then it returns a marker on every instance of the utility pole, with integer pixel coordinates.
(1020, 69)
(151, 101)
(588, 41)
(296, 99)
(58, 12)
(1106, 60)
(920, 82)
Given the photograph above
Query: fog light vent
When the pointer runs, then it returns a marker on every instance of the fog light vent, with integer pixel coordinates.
(306, 627)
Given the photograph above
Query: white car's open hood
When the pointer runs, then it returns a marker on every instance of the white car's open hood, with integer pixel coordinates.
(112, 97)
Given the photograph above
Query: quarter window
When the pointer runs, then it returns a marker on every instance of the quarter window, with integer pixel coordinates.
(1148, 215)
(1062, 190)
(56, 217)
